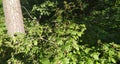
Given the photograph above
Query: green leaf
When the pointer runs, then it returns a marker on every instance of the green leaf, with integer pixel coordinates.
(118, 55)
(35, 42)
(75, 45)
(89, 61)
(95, 55)
(87, 50)
(111, 52)
(113, 60)
(65, 61)
(45, 61)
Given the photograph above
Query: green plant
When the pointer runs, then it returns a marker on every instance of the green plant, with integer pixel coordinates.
(66, 36)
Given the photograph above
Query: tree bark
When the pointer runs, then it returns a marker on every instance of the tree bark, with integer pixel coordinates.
(13, 16)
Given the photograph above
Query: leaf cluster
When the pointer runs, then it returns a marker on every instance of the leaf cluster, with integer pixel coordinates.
(67, 32)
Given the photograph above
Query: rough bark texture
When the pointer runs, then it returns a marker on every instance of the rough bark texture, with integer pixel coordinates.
(13, 16)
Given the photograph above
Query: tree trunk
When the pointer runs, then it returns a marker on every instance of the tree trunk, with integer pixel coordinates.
(13, 16)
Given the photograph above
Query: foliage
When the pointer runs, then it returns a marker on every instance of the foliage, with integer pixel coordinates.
(67, 32)
(43, 44)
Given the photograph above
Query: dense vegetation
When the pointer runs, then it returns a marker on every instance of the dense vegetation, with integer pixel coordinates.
(64, 32)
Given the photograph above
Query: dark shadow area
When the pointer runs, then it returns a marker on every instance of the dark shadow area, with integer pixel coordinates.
(101, 26)
(7, 52)
(23, 58)
(0, 5)
(28, 4)
(5, 55)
